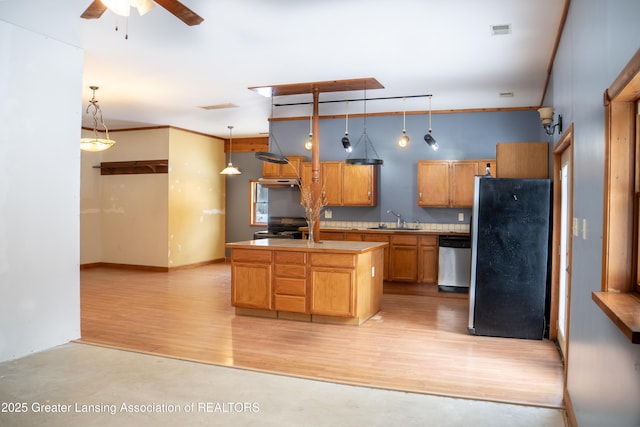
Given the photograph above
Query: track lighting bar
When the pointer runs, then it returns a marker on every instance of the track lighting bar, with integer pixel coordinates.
(352, 100)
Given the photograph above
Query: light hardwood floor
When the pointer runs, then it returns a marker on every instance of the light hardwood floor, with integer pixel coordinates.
(415, 343)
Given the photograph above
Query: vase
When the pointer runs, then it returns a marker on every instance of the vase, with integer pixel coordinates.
(311, 236)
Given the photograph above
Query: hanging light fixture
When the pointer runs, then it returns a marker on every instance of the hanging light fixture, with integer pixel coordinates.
(430, 140)
(123, 7)
(96, 144)
(364, 138)
(268, 156)
(230, 169)
(346, 144)
(308, 144)
(404, 139)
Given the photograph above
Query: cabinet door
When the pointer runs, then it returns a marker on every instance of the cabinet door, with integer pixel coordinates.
(359, 185)
(251, 285)
(428, 261)
(403, 263)
(332, 291)
(462, 179)
(270, 170)
(293, 169)
(433, 183)
(331, 178)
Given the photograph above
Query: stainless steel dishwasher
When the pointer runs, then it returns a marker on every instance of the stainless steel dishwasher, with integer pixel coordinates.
(454, 263)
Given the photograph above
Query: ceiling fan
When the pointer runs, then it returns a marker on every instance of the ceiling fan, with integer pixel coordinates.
(121, 7)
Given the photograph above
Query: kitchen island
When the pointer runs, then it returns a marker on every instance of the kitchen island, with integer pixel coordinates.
(329, 282)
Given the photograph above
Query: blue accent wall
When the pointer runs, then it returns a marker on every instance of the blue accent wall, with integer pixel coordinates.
(471, 135)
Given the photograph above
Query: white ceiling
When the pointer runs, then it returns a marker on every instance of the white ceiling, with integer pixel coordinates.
(166, 70)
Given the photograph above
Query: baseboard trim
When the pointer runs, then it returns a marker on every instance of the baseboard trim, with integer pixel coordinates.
(568, 407)
(149, 267)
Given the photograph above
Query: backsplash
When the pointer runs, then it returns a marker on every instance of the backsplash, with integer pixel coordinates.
(449, 228)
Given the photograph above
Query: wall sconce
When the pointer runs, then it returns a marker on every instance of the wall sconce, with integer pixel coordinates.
(546, 118)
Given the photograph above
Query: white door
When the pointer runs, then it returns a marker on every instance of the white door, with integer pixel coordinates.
(565, 235)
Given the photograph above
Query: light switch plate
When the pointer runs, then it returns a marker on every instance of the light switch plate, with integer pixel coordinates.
(460, 216)
(574, 228)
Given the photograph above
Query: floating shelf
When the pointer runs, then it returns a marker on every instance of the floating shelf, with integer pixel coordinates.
(133, 167)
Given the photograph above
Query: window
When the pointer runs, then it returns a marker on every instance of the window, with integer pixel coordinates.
(259, 204)
(621, 243)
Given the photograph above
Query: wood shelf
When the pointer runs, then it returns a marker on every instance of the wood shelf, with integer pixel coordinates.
(133, 167)
(622, 309)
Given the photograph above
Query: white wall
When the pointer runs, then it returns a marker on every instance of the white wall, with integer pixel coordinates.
(40, 112)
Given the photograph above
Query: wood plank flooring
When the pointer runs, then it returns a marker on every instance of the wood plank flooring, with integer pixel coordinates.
(415, 343)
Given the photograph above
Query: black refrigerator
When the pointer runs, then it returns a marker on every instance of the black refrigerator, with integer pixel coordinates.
(509, 257)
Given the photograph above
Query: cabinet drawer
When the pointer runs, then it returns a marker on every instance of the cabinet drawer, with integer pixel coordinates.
(290, 286)
(429, 240)
(401, 239)
(254, 256)
(333, 260)
(291, 257)
(291, 271)
(290, 303)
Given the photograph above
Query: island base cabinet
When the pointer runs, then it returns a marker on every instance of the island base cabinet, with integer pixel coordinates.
(332, 292)
(251, 285)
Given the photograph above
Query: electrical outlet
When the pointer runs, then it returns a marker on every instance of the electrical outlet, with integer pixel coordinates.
(584, 228)
(328, 214)
(574, 228)
(373, 272)
(460, 216)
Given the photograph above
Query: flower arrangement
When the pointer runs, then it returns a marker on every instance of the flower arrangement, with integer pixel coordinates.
(312, 208)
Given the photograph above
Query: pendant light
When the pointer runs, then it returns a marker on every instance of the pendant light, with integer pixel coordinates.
(96, 144)
(364, 138)
(230, 169)
(430, 140)
(346, 144)
(404, 139)
(308, 144)
(268, 156)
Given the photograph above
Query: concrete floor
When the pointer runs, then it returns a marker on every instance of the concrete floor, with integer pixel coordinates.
(99, 386)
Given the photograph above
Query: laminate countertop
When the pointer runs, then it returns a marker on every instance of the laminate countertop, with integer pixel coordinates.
(335, 246)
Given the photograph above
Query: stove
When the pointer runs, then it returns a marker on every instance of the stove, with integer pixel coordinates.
(282, 227)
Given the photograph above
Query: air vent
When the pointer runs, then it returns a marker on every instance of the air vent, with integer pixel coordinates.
(219, 106)
(500, 30)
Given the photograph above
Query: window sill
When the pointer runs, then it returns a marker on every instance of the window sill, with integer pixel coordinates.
(624, 311)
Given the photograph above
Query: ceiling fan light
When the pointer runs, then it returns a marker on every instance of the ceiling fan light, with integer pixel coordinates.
(119, 7)
(143, 6)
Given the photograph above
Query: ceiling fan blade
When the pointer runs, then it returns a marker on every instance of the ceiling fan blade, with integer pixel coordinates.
(94, 11)
(181, 11)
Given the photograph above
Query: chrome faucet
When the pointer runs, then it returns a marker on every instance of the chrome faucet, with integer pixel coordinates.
(398, 218)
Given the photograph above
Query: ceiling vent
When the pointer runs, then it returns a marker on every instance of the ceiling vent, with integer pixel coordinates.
(500, 30)
(219, 106)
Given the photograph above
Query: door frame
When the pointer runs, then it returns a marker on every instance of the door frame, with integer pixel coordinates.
(565, 143)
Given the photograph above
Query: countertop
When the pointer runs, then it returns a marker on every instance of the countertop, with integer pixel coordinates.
(335, 246)
(389, 231)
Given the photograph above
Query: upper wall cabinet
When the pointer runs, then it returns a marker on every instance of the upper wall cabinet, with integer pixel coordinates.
(522, 159)
(287, 170)
(449, 183)
(345, 185)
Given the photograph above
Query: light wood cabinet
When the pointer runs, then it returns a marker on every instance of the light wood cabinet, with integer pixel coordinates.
(449, 183)
(290, 282)
(345, 185)
(428, 259)
(378, 237)
(293, 169)
(251, 273)
(403, 258)
(359, 185)
(522, 160)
